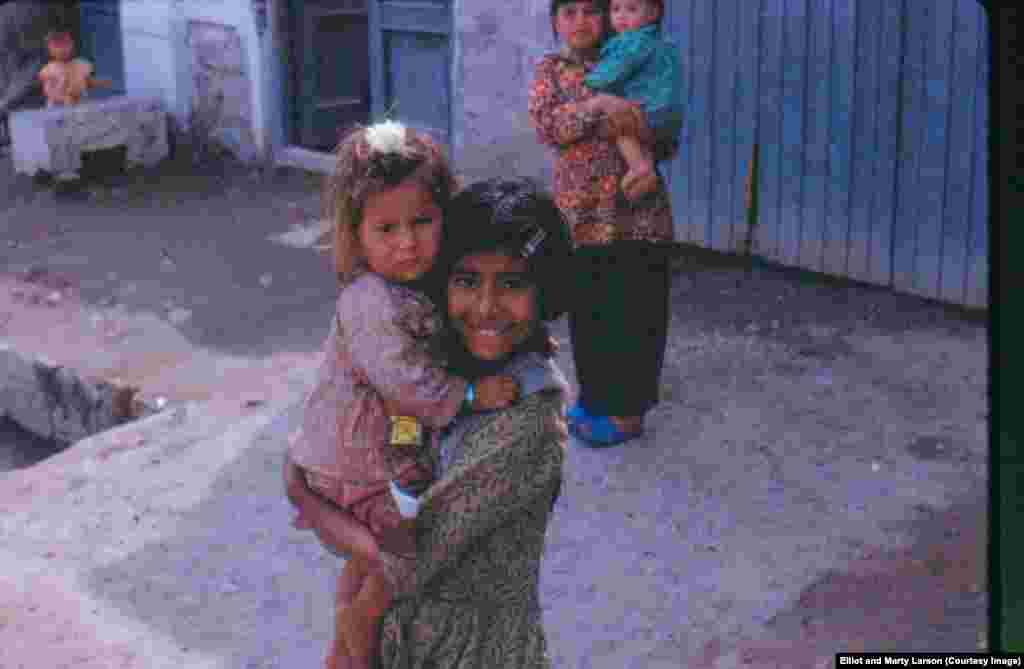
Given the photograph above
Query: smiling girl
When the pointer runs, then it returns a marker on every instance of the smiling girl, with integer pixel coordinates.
(389, 196)
(472, 598)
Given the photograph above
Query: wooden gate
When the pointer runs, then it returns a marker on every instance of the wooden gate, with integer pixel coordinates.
(872, 122)
(360, 60)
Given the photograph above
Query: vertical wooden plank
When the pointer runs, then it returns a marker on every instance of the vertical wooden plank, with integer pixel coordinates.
(840, 129)
(341, 88)
(690, 125)
(770, 128)
(791, 167)
(819, 48)
(677, 26)
(745, 103)
(890, 62)
(417, 68)
(723, 126)
(379, 102)
(908, 194)
(933, 159)
(961, 144)
(863, 152)
(978, 259)
(700, 183)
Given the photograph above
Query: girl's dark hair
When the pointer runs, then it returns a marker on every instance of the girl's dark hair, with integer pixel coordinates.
(660, 4)
(518, 217)
(598, 4)
(59, 33)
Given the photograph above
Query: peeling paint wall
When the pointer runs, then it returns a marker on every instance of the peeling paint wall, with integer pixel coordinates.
(201, 57)
(23, 27)
(499, 43)
(221, 110)
(206, 67)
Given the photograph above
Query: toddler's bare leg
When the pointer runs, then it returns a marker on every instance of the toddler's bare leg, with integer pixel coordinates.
(641, 178)
(350, 582)
(362, 619)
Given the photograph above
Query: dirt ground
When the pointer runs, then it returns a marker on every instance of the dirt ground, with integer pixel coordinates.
(805, 423)
(814, 479)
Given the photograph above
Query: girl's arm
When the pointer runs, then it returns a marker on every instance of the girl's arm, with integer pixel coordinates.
(477, 497)
(620, 59)
(559, 123)
(394, 363)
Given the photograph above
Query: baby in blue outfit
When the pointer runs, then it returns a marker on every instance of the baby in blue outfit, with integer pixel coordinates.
(637, 64)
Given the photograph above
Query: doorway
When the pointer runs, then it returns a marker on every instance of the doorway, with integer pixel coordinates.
(330, 71)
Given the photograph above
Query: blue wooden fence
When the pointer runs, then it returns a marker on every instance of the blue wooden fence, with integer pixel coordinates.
(871, 116)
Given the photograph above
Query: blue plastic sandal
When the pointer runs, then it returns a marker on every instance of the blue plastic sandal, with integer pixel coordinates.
(601, 432)
(576, 412)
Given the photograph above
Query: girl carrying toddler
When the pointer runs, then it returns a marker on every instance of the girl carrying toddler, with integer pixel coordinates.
(362, 443)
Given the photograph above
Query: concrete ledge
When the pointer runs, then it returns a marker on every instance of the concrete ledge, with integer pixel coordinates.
(53, 139)
(55, 403)
(304, 159)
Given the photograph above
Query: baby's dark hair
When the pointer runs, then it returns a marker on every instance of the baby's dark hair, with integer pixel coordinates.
(660, 4)
(518, 217)
(367, 164)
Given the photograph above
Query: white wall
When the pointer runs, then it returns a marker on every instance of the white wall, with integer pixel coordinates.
(497, 46)
(150, 61)
(158, 59)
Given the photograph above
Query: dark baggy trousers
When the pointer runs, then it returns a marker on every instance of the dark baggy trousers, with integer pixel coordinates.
(618, 326)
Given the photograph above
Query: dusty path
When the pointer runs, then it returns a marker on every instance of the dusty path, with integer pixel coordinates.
(814, 479)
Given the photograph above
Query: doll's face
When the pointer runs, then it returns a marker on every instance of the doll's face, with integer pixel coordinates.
(61, 48)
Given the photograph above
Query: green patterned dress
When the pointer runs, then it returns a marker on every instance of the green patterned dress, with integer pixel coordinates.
(471, 600)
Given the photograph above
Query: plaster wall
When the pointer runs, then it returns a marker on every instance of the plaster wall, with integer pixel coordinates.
(23, 28)
(149, 37)
(497, 46)
(182, 49)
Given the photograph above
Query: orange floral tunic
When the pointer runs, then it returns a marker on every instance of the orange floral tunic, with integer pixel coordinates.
(588, 168)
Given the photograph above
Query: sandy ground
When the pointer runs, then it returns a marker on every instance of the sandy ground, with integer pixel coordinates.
(813, 481)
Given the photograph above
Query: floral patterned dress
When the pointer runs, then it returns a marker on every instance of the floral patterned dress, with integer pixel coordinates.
(589, 169)
(471, 601)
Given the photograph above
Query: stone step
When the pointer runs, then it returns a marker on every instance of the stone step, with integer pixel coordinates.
(69, 370)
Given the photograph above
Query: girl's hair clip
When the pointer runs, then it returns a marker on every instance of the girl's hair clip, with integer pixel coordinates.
(537, 236)
(387, 138)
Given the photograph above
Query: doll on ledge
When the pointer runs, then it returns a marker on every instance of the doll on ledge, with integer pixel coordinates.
(65, 79)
